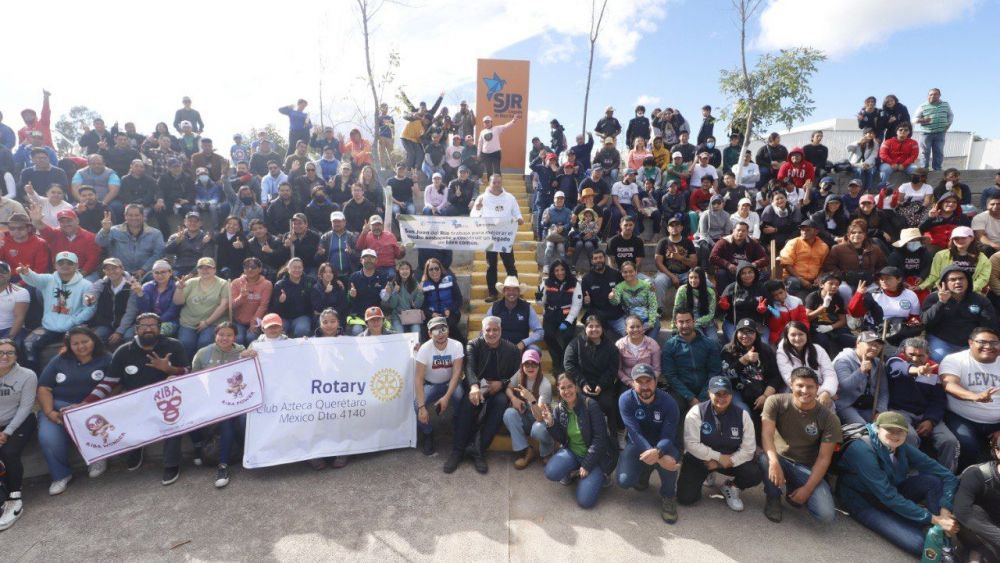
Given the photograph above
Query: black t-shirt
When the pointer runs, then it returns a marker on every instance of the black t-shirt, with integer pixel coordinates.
(600, 187)
(833, 312)
(684, 247)
(402, 190)
(621, 250)
(129, 362)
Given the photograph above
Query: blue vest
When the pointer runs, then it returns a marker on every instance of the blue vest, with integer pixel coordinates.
(439, 298)
(723, 434)
(99, 182)
(513, 322)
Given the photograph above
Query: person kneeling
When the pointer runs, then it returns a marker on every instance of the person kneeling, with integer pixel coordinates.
(718, 437)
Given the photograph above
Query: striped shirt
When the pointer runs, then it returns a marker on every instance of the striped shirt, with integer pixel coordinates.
(939, 114)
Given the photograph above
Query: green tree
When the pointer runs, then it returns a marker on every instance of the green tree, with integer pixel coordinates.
(70, 127)
(775, 90)
(277, 138)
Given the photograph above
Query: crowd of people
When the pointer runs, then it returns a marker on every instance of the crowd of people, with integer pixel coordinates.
(804, 319)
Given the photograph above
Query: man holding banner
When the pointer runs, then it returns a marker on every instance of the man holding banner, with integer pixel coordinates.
(497, 203)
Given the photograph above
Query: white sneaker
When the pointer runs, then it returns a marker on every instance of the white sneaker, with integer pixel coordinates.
(710, 481)
(12, 510)
(732, 495)
(97, 469)
(59, 487)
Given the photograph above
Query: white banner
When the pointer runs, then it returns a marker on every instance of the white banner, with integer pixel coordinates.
(326, 397)
(458, 233)
(169, 408)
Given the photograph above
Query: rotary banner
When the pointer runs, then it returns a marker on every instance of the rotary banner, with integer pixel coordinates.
(326, 397)
(458, 233)
(169, 408)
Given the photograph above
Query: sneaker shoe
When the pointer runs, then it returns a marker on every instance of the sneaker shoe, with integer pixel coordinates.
(11, 511)
(96, 469)
(710, 481)
(452, 463)
(568, 480)
(134, 461)
(621, 440)
(221, 476)
(199, 456)
(59, 487)
(170, 475)
(479, 461)
(643, 482)
(668, 510)
(525, 459)
(340, 461)
(772, 509)
(732, 495)
(428, 445)
(318, 464)
(492, 297)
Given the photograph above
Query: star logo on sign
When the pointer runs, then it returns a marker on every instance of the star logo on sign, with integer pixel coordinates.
(493, 85)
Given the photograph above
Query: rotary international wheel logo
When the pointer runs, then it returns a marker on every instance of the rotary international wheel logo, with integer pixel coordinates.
(386, 384)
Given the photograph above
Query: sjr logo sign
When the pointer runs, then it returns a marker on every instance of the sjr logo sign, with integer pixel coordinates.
(502, 102)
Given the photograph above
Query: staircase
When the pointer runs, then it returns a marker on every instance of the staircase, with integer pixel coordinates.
(527, 268)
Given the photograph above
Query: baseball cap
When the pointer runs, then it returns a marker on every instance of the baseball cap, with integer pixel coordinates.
(962, 231)
(4, 267)
(368, 252)
(300, 217)
(206, 261)
(112, 262)
(826, 180)
(867, 198)
(373, 313)
(677, 154)
(745, 200)
(271, 319)
(720, 383)
(530, 355)
(435, 323)
(629, 172)
(596, 166)
(716, 198)
(194, 214)
(18, 218)
(675, 219)
(868, 336)
(559, 194)
(854, 183)
(67, 255)
(463, 168)
(891, 271)
(890, 419)
(643, 370)
(66, 214)
(338, 216)
(551, 156)
(374, 219)
(609, 140)
(747, 324)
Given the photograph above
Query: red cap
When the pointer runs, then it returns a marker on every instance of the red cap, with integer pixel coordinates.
(66, 214)
(550, 156)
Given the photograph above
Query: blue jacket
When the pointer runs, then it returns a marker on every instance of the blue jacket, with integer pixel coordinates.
(149, 301)
(7, 137)
(62, 303)
(649, 425)
(852, 382)
(559, 216)
(922, 396)
(22, 158)
(870, 478)
(687, 366)
(601, 450)
(297, 120)
(135, 252)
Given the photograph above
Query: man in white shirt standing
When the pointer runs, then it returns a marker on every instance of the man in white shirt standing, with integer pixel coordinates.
(497, 203)
(489, 144)
(986, 225)
(971, 378)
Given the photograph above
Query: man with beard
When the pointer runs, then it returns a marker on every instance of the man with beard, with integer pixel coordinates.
(597, 285)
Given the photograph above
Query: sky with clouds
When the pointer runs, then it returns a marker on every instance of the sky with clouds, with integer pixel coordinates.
(240, 65)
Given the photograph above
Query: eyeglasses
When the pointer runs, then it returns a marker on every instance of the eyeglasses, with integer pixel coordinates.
(8, 353)
(251, 267)
(147, 326)
(161, 272)
(434, 269)
(987, 343)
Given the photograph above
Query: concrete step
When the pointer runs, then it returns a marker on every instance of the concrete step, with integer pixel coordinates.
(526, 255)
(481, 292)
(528, 277)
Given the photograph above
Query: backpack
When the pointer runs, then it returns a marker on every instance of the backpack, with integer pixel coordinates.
(851, 432)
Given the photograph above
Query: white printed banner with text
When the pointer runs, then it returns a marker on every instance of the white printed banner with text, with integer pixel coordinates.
(169, 408)
(458, 233)
(326, 397)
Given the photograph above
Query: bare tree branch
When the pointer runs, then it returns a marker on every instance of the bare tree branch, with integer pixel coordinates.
(595, 31)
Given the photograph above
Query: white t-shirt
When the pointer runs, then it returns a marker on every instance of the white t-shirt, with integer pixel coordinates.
(503, 205)
(624, 192)
(985, 222)
(8, 299)
(698, 172)
(909, 191)
(439, 363)
(975, 377)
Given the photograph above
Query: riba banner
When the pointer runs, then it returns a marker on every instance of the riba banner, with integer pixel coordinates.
(502, 92)
(332, 396)
(458, 233)
(169, 408)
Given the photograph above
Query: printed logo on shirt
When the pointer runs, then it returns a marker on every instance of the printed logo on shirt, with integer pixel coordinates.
(640, 414)
(812, 429)
(97, 375)
(904, 304)
(131, 370)
(734, 432)
(707, 428)
(657, 416)
(60, 377)
(442, 362)
(974, 309)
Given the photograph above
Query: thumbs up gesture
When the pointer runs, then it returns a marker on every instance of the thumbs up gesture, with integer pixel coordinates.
(354, 291)
(282, 298)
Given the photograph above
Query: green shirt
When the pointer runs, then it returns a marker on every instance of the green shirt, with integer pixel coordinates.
(199, 302)
(576, 443)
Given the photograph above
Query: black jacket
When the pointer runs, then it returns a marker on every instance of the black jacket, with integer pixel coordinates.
(593, 430)
(953, 320)
(589, 364)
(477, 356)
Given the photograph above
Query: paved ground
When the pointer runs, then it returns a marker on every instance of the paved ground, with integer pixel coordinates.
(399, 506)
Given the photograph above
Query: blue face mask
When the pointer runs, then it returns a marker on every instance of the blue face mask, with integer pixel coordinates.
(913, 246)
(710, 145)
(203, 178)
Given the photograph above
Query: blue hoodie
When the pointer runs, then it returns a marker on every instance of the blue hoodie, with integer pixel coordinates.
(62, 303)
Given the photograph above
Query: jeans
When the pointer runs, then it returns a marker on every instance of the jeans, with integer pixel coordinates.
(565, 462)
(904, 534)
(886, 170)
(662, 284)
(584, 248)
(484, 419)
(491, 268)
(400, 328)
(192, 340)
(34, 345)
(852, 415)
(433, 392)
(103, 332)
(693, 472)
(521, 424)
(820, 503)
(56, 445)
(298, 327)
(406, 209)
(429, 170)
(932, 149)
(552, 251)
(939, 348)
(867, 177)
(944, 441)
(630, 468)
(243, 334)
(971, 438)
(229, 430)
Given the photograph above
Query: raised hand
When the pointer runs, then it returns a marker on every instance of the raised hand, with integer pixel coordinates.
(158, 363)
(283, 297)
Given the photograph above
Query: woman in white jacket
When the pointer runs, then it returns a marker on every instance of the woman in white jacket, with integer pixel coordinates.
(795, 350)
(747, 172)
(862, 156)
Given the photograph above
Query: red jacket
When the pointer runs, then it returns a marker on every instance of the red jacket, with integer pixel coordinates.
(797, 174)
(791, 310)
(385, 246)
(894, 152)
(84, 245)
(41, 124)
(33, 253)
(698, 200)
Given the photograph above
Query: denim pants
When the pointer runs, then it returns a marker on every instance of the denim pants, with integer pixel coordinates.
(229, 430)
(939, 348)
(852, 415)
(192, 340)
(554, 250)
(564, 462)
(886, 170)
(433, 392)
(56, 444)
(520, 425)
(483, 420)
(932, 150)
(904, 534)
(944, 441)
(298, 327)
(820, 503)
(662, 284)
(400, 328)
(406, 209)
(971, 438)
(630, 468)
(867, 177)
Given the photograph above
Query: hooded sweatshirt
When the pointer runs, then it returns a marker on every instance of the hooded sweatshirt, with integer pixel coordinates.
(953, 320)
(939, 228)
(853, 383)
(740, 301)
(799, 173)
(713, 225)
(62, 303)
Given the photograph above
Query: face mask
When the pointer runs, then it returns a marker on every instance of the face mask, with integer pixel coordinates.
(915, 180)
(913, 246)
(203, 178)
(247, 200)
(710, 145)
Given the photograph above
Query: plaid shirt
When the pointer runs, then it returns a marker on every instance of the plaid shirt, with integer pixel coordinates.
(160, 157)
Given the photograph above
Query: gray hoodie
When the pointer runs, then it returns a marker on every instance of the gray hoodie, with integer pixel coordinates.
(17, 396)
(713, 225)
(853, 381)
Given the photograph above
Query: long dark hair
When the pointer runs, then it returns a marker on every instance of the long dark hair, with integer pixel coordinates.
(702, 292)
(973, 251)
(67, 352)
(411, 283)
(808, 354)
(239, 226)
(570, 278)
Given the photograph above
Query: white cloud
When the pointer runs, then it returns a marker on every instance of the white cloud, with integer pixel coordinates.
(539, 116)
(647, 100)
(556, 50)
(849, 25)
